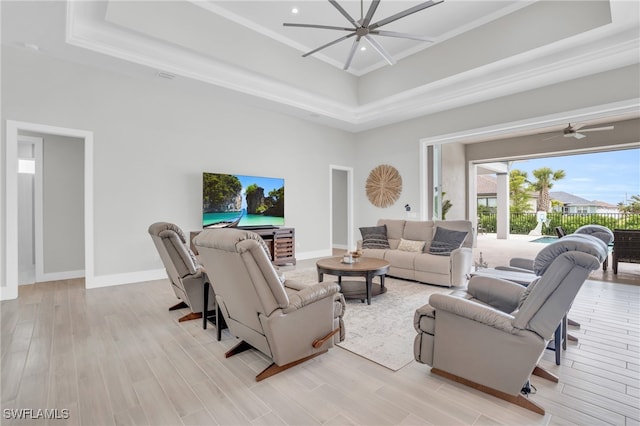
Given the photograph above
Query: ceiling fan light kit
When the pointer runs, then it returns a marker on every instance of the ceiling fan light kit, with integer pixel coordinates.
(363, 28)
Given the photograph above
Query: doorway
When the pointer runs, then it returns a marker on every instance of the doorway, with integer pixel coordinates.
(9, 287)
(29, 207)
(341, 208)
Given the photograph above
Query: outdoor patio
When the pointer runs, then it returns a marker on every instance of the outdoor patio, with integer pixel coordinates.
(498, 252)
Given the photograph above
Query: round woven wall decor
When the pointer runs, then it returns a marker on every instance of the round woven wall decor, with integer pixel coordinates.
(383, 186)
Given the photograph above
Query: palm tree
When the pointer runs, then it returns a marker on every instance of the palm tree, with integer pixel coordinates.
(632, 206)
(518, 191)
(545, 177)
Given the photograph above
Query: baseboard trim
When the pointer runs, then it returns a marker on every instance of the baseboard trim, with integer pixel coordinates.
(158, 274)
(313, 254)
(126, 278)
(63, 275)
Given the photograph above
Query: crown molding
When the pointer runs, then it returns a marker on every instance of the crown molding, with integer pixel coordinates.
(606, 48)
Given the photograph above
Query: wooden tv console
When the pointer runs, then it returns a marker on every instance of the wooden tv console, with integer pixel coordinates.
(280, 241)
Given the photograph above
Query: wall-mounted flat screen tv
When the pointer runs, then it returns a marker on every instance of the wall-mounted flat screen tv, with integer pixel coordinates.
(243, 201)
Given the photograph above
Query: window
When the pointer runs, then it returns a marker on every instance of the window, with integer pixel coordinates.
(27, 166)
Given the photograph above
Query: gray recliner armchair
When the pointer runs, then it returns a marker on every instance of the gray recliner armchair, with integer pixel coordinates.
(186, 274)
(600, 235)
(492, 335)
(290, 322)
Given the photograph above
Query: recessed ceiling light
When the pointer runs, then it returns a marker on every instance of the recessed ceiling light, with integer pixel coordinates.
(166, 75)
(363, 48)
(294, 10)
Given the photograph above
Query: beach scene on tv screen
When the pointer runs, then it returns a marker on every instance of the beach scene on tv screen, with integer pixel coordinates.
(255, 200)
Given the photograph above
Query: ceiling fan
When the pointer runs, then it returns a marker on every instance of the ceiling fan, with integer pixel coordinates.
(572, 131)
(364, 28)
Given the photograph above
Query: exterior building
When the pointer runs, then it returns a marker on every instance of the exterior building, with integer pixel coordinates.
(487, 194)
(561, 201)
(572, 204)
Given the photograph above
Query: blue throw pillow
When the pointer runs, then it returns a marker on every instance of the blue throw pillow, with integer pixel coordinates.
(446, 240)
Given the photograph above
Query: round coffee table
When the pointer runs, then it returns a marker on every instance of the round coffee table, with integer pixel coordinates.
(367, 267)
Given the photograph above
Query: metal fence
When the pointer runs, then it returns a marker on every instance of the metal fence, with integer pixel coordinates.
(522, 223)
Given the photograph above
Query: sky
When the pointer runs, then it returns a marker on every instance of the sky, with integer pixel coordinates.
(611, 177)
(267, 183)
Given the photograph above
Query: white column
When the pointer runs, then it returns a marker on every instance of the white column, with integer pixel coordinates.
(502, 219)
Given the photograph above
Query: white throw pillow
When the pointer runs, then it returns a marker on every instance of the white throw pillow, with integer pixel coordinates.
(411, 245)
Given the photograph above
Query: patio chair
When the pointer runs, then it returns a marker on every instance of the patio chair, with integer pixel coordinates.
(492, 336)
(626, 247)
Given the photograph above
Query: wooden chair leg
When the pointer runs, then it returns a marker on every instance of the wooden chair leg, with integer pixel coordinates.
(274, 369)
(240, 347)
(545, 374)
(519, 399)
(178, 306)
(191, 316)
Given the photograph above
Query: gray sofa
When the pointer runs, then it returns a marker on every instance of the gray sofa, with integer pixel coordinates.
(445, 270)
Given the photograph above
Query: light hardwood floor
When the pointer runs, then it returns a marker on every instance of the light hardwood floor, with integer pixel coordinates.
(117, 356)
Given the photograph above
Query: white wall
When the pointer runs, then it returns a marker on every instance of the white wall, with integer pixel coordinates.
(152, 141)
(399, 144)
(454, 177)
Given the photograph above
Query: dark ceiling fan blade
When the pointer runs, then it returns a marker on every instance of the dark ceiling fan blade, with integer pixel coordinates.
(407, 12)
(323, 27)
(370, 12)
(344, 13)
(328, 44)
(352, 53)
(378, 47)
(402, 35)
(597, 129)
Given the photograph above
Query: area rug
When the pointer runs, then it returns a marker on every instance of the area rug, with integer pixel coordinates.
(383, 331)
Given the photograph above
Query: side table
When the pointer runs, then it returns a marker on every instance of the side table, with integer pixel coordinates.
(215, 316)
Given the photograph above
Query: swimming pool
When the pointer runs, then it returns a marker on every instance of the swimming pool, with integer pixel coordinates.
(544, 240)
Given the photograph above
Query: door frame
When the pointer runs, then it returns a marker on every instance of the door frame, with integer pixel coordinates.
(10, 288)
(38, 218)
(349, 171)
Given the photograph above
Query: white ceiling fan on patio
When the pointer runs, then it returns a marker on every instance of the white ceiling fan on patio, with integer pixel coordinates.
(364, 28)
(572, 131)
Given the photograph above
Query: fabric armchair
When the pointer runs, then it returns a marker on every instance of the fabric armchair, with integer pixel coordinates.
(186, 274)
(289, 322)
(492, 335)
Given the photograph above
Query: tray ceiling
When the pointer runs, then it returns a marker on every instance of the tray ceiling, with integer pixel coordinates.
(482, 50)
